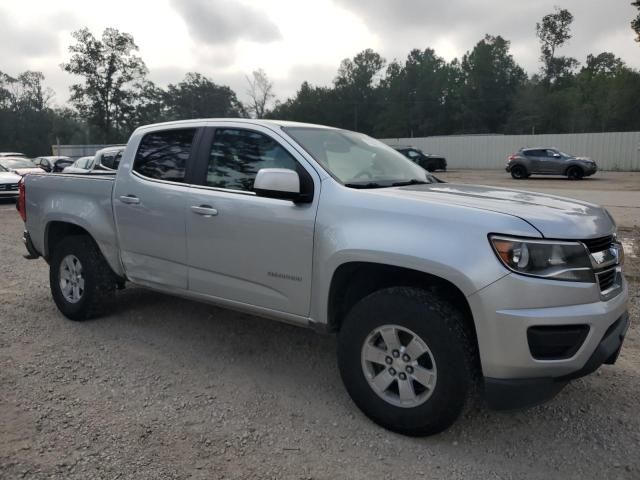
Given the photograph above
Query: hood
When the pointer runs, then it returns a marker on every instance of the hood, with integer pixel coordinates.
(8, 177)
(552, 216)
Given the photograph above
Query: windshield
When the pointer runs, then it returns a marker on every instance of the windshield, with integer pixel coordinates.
(2, 169)
(14, 163)
(357, 160)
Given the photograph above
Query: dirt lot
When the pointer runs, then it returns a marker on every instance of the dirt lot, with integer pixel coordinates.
(168, 388)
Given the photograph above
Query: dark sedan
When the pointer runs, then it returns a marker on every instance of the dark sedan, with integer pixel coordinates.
(427, 161)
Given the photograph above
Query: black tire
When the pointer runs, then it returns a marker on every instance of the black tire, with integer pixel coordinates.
(441, 327)
(575, 173)
(99, 279)
(518, 172)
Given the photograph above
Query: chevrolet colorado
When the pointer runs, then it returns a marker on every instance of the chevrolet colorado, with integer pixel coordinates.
(433, 288)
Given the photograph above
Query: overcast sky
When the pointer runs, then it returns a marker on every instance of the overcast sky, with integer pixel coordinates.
(295, 40)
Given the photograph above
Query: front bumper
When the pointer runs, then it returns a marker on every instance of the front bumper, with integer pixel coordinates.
(507, 394)
(505, 311)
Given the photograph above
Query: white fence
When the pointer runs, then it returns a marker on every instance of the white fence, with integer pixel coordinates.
(611, 151)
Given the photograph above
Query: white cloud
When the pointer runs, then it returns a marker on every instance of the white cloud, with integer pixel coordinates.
(294, 40)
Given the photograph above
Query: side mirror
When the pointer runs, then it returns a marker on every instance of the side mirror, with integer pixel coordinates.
(277, 183)
(556, 155)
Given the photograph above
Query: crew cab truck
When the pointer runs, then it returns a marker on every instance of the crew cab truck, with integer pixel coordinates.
(432, 288)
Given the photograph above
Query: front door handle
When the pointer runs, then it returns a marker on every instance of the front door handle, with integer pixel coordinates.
(207, 211)
(129, 199)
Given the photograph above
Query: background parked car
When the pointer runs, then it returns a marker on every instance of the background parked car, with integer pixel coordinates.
(8, 183)
(427, 161)
(548, 161)
(53, 164)
(106, 159)
(12, 154)
(19, 165)
(81, 165)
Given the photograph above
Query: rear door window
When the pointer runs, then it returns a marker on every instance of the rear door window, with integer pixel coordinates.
(163, 155)
(533, 153)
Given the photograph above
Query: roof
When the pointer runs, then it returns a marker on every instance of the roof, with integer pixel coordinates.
(12, 154)
(249, 121)
(22, 159)
(110, 148)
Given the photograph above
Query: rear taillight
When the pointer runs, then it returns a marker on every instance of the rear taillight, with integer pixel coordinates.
(22, 204)
(511, 158)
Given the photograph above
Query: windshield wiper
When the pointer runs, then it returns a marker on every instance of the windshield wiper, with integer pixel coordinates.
(413, 181)
(365, 185)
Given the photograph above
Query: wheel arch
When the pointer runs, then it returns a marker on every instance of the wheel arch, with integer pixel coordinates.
(520, 163)
(572, 165)
(353, 281)
(57, 230)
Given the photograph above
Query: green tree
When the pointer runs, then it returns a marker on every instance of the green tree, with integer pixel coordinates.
(27, 122)
(635, 23)
(147, 106)
(413, 96)
(554, 31)
(490, 80)
(198, 96)
(110, 70)
(355, 90)
(310, 104)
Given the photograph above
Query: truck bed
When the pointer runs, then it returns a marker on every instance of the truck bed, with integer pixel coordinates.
(83, 200)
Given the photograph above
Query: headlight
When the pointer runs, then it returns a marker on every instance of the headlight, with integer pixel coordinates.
(554, 260)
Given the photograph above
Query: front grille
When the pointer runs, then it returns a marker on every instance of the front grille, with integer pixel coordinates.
(598, 244)
(606, 279)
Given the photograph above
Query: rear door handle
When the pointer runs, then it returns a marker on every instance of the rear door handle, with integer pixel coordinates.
(129, 199)
(206, 211)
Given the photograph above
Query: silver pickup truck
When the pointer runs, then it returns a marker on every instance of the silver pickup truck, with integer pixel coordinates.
(435, 290)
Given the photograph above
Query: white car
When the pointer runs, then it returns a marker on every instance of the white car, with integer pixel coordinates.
(8, 183)
(105, 160)
(12, 154)
(19, 165)
(81, 165)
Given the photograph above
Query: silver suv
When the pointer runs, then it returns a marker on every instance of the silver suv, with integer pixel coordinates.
(431, 287)
(548, 161)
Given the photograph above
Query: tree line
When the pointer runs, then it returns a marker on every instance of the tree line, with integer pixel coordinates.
(485, 91)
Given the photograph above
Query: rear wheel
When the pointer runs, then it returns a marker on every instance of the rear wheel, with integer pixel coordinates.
(519, 172)
(82, 283)
(406, 360)
(575, 173)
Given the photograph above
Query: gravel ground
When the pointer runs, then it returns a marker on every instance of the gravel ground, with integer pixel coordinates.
(167, 388)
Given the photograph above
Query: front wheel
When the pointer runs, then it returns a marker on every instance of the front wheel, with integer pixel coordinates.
(406, 361)
(575, 173)
(82, 283)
